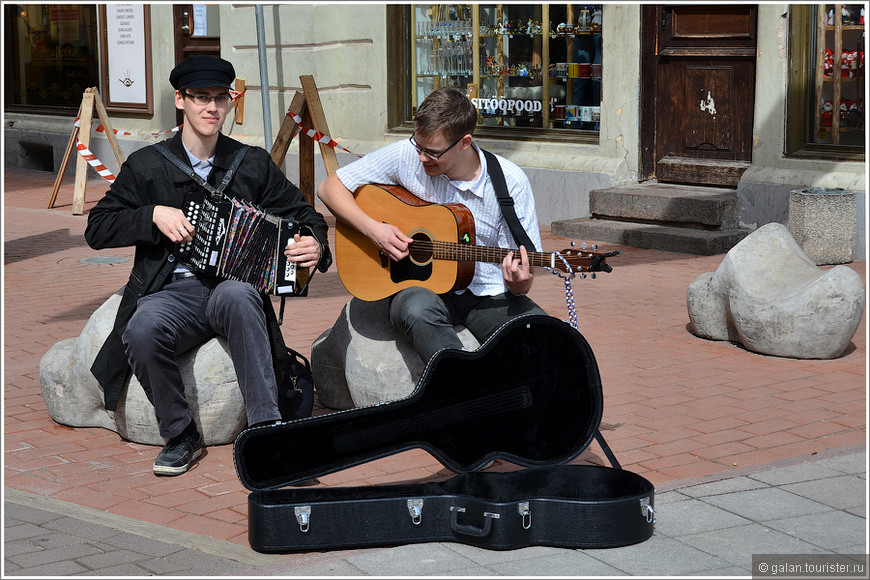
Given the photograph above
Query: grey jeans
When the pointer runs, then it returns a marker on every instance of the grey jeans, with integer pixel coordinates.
(427, 319)
(184, 314)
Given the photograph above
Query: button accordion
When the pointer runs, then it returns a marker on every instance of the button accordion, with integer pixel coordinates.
(235, 240)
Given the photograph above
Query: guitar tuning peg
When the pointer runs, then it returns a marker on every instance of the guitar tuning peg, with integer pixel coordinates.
(572, 243)
(582, 275)
(594, 275)
(583, 246)
(595, 246)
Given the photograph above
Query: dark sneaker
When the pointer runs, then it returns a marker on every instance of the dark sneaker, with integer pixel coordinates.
(178, 455)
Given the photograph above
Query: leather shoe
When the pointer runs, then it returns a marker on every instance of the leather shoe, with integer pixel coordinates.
(178, 455)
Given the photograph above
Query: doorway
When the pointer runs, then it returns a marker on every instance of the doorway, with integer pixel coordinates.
(697, 92)
(197, 31)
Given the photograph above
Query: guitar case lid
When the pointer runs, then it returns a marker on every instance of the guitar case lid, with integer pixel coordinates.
(531, 394)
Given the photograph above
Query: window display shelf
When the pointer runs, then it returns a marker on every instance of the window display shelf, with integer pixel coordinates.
(501, 55)
(839, 75)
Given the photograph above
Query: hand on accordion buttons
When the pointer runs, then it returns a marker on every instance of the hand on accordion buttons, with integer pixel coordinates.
(172, 222)
(304, 250)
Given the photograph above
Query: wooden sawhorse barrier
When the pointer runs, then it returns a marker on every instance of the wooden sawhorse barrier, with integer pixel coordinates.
(307, 105)
(82, 132)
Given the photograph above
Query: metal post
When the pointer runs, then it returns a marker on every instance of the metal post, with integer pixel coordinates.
(264, 77)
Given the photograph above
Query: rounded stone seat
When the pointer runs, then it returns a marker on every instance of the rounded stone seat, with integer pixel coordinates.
(74, 397)
(363, 361)
(770, 297)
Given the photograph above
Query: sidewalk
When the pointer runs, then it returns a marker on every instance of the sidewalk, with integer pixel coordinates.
(764, 451)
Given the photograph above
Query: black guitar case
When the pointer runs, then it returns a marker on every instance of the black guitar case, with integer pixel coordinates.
(531, 395)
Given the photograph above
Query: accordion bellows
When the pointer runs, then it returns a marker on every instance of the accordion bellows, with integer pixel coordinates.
(236, 240)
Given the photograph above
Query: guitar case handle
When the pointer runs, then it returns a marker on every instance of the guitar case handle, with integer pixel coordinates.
(468, 529)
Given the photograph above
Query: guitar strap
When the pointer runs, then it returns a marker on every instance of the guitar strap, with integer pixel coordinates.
(506, 202)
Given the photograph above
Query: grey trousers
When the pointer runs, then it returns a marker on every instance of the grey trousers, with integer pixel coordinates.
(184, 314)
(427, 319)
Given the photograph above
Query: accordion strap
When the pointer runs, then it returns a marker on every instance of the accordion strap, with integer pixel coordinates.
(237, 161)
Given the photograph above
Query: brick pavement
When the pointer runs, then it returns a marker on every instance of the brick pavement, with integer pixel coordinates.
(676, 407)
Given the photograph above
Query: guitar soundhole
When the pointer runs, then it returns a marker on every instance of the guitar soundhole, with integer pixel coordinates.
(421, 250)
(418, 264)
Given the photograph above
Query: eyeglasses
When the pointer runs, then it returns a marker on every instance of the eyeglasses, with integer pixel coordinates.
(429, 154)
(219, 100)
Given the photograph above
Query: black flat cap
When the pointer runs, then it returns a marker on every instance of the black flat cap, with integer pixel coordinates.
(201, 71)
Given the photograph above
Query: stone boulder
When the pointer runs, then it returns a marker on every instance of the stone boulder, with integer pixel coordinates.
(74, 397)
(363, 361)
(770, 297)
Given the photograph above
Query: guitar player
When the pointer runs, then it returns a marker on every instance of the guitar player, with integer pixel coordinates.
(441, 164)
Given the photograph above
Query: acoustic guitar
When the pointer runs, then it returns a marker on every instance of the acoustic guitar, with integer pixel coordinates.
(443, 254)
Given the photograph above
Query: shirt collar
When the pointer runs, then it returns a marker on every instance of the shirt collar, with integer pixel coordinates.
(474, 186)
(197, 163)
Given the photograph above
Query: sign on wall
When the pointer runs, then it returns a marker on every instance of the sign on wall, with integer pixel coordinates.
(126, 57)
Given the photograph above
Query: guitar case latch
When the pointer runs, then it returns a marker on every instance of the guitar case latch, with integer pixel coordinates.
(415, 508)
(303, 515)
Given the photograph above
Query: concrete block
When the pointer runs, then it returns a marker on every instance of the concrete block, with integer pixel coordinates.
(363, 361)
(74, 397)
(768, 296)
(823, 223)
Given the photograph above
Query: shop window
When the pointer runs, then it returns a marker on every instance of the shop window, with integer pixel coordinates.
(53, 56)
(527, 67)
(827, 85)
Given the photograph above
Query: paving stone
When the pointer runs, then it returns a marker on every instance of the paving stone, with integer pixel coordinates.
(59, 554)
(412, 560)
(564, 563)
(62, 568)
(730, 485)
(827, 530)
(736, 545)
(21, 531)
(77, 528)
(488, 557)
(693, 516)
(111, 558)
(847, 491)
(795, 473)
(766, 504)
(658, 556)
(850, 463)
(119, 571)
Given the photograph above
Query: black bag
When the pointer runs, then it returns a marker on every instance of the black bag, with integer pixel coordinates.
(296, 393)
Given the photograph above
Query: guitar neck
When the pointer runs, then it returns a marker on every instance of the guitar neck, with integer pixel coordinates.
(471, 253)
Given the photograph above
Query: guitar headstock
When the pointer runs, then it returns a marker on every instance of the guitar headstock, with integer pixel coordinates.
(582, 261)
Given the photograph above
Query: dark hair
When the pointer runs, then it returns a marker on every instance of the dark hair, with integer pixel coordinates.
(448, 111)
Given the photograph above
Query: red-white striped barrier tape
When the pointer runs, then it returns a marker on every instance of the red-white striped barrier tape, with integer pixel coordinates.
(318, 135)
(101, 169)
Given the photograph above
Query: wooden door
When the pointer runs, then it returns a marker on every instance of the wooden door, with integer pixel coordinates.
(698, 89)
(197, 31)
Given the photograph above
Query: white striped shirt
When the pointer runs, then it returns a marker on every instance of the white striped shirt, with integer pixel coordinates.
(399, 164)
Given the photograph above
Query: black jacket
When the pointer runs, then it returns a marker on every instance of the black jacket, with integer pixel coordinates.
(123, 218)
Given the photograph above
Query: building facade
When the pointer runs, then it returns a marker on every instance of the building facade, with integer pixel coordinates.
(582, 97)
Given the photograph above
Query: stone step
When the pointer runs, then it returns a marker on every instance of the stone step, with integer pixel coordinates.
(671, 204)
(668, 238)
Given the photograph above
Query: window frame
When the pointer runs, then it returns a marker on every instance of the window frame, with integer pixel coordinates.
(800, 99)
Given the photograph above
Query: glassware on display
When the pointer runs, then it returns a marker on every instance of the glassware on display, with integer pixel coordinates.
(445, 47)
